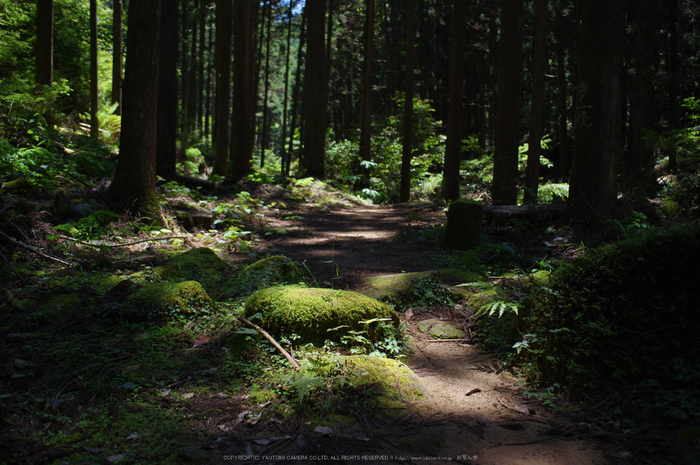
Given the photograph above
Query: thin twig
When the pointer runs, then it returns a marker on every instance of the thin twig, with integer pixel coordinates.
(121, 245)
(13, 268)
(37, 251)
(289, 358)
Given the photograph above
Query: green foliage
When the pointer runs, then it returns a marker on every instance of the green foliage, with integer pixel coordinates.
(91, 227)
(619, 314)
(385, 166)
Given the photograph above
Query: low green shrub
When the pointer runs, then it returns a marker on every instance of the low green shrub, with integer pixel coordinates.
(619, 315)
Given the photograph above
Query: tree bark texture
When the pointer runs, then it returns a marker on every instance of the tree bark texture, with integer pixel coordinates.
(366, 118)
(223, 85)
(407, 148)
(167, 93)
(453, 148)
(242, 131)
(117, 56)
(44, 42)
(598, 120)
(315, 91)
(539, 57)
(94, 121)
(507, 135)
(135, 178)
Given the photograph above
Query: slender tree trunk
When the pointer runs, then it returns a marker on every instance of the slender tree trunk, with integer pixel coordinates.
(44, 43)
(117, 55)
(134, 183)
(185, 76)
(539, 58)
(223, 85)
(263, 142)
(561, 99)
(507, 138)
(295, 92)
(192, 80)
(366, 119)
(315, 92)
(210, 84)
(201, 65)
(288, 51)
(672, 63)
(94, 122)
(407, 149)
(166, 142)
(453, 149)
(598, 122)
(242, 130)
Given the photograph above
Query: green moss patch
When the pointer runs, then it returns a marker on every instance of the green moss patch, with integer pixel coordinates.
(268, 272)
(311, 312)
(440, 329)
(394, 380)
(165, 301)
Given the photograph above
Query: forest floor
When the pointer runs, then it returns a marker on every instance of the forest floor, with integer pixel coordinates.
(474, 411)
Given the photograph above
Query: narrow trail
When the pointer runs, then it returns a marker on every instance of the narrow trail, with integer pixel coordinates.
(474, 413)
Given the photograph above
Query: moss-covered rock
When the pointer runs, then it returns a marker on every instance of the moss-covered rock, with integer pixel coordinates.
(166, 301)
(463, 228)
(199, 264)
(268, 272)
(439, 329)
(420, 289)
(311, 312)
(393, 379)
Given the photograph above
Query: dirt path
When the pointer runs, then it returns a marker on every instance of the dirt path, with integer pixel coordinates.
(472, 414)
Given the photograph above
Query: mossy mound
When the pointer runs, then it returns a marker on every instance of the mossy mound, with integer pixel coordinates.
(422, 289)
(311, 312)
(440, 329)
(199, 264)
(166, 301)
(268, 272)
(463, 228)
(622, 314)
(393, 379)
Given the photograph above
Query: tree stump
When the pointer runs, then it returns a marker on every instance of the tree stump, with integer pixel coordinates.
(463, 229)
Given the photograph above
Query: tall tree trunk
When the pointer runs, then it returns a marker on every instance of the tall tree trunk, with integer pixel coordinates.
(539, 58)
(117, 55)
(642, 166)
(407, 149)
(315, 91)
(283, 152)
(201, 65)
(223, 85)
(94, 122)
(166, 141)
(366, 119)
(453, 149)
(242, 131)
(193, 87)
(507, 137)
(134, 183)
(210, 83)
(561, 98)
(593, 192)
(295, 91)
(263, 142)
(185, 76)
(672, 63)
(44, 42)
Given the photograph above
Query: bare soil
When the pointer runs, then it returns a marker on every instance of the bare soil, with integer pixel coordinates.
(474, 411)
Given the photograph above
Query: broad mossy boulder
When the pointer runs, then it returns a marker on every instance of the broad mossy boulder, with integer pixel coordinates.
(463, 228)
(311, 312)
(268, 272)
(165, 301)
(623, 313)
(200, 264)
(422, 289)
(439, 329)
(393, 379)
